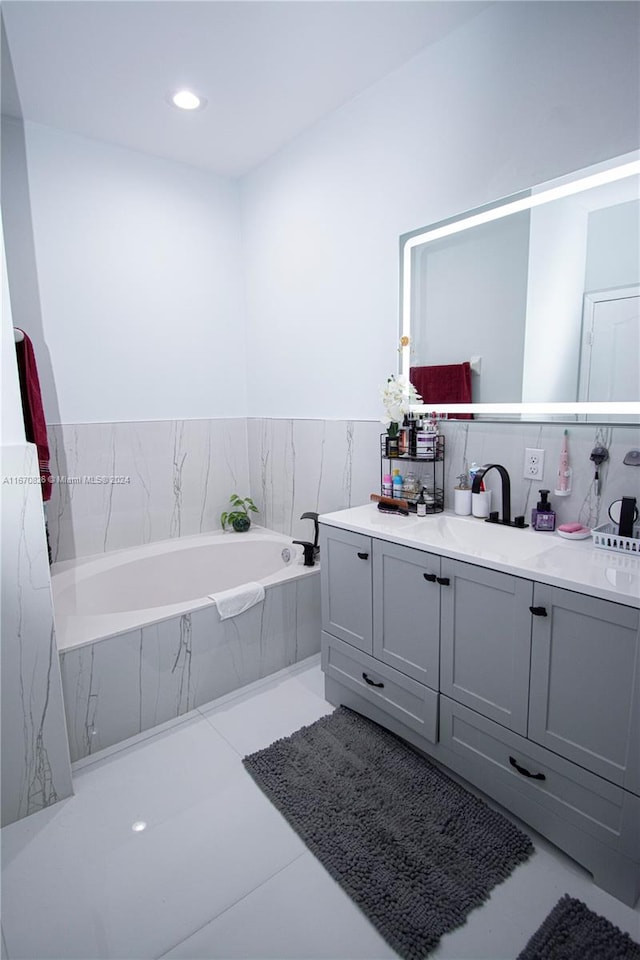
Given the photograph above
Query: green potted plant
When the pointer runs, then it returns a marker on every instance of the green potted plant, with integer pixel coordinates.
(238, 518)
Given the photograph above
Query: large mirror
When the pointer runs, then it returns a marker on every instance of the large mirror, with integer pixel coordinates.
(530, 307)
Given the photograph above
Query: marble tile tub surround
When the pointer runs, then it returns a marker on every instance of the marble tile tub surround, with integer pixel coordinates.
(182, 472)
(35, 755)
(120, 686)
(173, 478)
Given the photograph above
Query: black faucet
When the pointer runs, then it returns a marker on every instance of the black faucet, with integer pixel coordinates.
(311, 550)
(310, 515)
(309, 554)
(494, 517)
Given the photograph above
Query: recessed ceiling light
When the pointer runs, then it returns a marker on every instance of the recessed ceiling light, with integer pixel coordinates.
(187, 100)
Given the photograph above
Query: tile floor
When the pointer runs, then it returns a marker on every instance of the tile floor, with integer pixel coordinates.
(217, 872)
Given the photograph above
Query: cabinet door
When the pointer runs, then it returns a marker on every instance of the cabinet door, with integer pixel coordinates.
(406, 608)
(585, 683)
(345, 576)
(486, 642)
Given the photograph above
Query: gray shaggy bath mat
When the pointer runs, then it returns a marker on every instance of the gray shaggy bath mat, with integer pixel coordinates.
(412, 848)
(573, 932)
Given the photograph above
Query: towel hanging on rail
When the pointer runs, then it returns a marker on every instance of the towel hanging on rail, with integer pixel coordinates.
(35, 426)
(444, 383)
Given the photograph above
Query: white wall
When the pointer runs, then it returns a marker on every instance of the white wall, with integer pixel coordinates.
(12, 419)
(140, 282)
(523, 93)
(613, 246)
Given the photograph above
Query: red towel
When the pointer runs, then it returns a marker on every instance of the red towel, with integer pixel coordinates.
(446, 383)
(35, 426)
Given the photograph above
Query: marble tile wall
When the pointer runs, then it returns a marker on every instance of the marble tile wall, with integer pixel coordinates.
(118, 687)
(469, 441)
(298, 465)
(318, 465)
(35, 755)
(172, 478)
(182, 472)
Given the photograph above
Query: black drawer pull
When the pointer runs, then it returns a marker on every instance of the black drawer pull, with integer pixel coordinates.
(371, 683)
(538, 611)
(363, 556)
(524, 772)
(431, 577)
(444, 581)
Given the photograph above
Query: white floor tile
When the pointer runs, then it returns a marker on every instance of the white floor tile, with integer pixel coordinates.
(253, 722)
(299, 914)
(79, 882)
(217, 872)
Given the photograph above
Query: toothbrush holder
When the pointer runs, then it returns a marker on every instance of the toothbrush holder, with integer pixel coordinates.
(481, 503)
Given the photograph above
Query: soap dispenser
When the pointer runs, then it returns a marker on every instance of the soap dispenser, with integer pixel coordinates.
(543, 517)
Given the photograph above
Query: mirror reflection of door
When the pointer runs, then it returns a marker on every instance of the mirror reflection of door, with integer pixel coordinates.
(610, 353)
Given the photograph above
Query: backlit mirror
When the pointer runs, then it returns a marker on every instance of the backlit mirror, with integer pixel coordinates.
(530, 307)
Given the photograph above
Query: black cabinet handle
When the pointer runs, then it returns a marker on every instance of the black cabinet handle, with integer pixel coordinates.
(538, 611)
(524, 772)
(363, 556)
(371, 683)
(444, 581)
(431, 577)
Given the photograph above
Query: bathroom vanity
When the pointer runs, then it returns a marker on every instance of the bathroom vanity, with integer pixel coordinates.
(510, 656)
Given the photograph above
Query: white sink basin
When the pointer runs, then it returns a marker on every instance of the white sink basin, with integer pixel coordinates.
(473, 536)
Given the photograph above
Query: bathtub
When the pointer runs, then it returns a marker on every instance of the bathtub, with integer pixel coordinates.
(98, 597)
(140, 639)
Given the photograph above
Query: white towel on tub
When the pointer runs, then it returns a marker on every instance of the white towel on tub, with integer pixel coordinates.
(232, 602)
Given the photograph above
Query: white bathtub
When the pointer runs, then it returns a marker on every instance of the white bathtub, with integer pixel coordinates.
(119, 591)
(141, 641)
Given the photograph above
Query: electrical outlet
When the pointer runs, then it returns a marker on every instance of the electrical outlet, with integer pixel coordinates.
(533, 464)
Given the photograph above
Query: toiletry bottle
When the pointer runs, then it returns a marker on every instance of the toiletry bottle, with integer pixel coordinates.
(473, 469)
(421, 505)
(398, 492)
(404, 437)
(410, 486)
(543, 517)
(387, 485)
(412, 437)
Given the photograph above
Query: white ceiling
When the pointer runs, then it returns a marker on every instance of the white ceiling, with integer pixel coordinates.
(269, 68)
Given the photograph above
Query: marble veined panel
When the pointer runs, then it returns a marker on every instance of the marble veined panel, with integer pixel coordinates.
(318, 465)
(505, 443)
(35, 755)
(120, 686)
(125, 484)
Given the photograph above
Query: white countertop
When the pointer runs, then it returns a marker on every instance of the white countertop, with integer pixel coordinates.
(545, 557)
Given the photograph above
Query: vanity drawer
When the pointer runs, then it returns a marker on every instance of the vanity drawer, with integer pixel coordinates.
(541, 787)
(408, 701)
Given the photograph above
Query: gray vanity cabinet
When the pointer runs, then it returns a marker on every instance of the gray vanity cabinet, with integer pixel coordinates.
(486, 642)
(406, 610)
(585, 683)
(528, 691)
(345, 574)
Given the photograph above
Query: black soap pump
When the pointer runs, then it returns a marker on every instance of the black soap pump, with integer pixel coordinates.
(543, 517)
